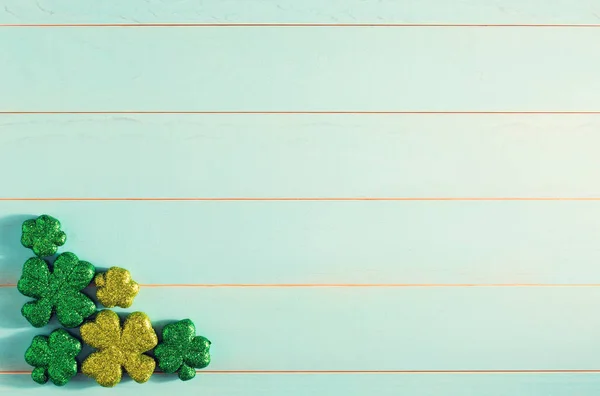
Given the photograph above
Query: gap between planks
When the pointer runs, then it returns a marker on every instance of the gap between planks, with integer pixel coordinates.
(303, 112)
(311, 199)
(351, 285)
(352, 372)
(292, 24)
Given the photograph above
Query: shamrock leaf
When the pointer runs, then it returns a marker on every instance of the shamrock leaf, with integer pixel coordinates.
(43, 235)
(53, 357)
(57, 291)
(182, 350)
(119, 348)
(116, 288)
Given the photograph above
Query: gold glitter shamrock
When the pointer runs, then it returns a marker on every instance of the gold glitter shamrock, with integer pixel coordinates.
(43, 235)
(182, 350)
(53, 357)
(57, 291)
(116, 288)
(119, 348)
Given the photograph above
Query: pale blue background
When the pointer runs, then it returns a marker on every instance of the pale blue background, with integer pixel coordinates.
(318, 69)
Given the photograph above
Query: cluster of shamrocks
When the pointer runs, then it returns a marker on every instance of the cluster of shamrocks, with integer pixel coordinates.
(57, 289)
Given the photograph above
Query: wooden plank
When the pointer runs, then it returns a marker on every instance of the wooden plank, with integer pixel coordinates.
(308, 11)
(323, 242)
(325, 69)
(310, 156)
(318, 69)
(351, 385)
(366, 329)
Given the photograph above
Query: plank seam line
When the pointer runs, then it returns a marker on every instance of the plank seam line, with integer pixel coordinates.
(304, 112)
(301, 199)
(356, 285)
(431, 372)
(292, 24)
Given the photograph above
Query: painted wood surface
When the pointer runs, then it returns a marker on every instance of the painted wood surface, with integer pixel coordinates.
(477, 285)
(324, 242)
(307, 11)
(353, 385)
(299, 69)
(368, 329)
(300, 156)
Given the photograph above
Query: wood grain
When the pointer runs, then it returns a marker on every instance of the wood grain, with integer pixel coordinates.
(352, 385)
(371, 329)
(300, 156)
(323, 242)
(308, 11)
(463, 116)
(325, 69)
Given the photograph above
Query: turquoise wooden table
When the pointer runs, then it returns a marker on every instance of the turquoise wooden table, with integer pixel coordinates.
(349, 197)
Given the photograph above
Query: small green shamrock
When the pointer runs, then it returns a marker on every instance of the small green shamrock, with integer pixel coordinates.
(43, 235)
(57, 291)
(53, 357)
(181, 350)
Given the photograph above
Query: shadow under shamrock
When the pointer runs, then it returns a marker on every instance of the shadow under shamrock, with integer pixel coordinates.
(12, 257)
(159, 376)
(12, 358)
(16, 333)
(11, 302)
(14, 343)
(24, 381)
(159, 325)
(19, 381)
(79, 382)
(12, 253)
(14, 346)
(164, 377)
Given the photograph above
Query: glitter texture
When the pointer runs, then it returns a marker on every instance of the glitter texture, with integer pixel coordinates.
(53, 357)
(43, 235)
(182, 350)
(119, 348)
(116, 288)
(58, 291)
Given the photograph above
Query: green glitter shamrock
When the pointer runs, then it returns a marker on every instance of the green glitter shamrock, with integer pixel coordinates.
(43, 235)
(181, 350)
(53, 357)
(57, 291)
